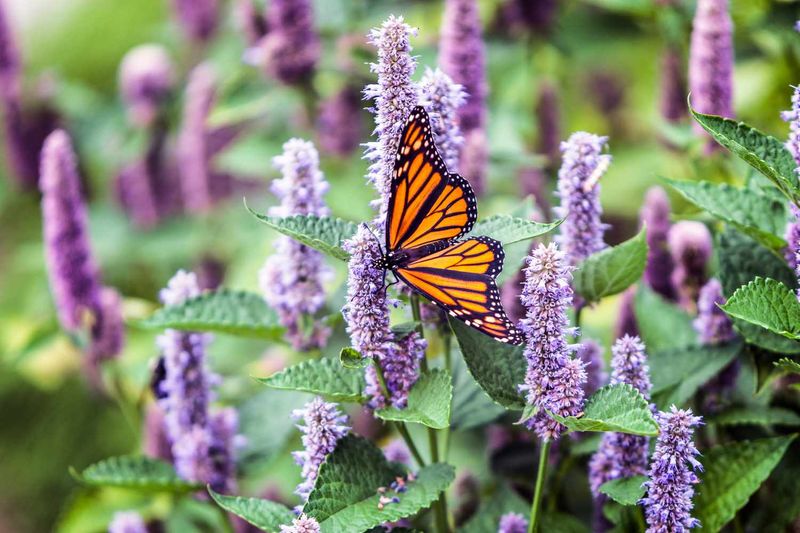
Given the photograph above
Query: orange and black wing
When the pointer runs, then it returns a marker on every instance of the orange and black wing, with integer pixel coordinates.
(460, 279)
(427, 203)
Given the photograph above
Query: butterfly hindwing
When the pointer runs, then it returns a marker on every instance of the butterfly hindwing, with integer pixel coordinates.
(427, 203)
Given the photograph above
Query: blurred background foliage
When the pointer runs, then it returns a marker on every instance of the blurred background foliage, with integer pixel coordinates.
(603, 56)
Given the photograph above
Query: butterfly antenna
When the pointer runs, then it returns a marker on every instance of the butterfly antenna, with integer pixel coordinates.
(380, 247)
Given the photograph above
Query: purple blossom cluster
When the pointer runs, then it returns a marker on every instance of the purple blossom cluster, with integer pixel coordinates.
(400, 367)
(792, 237)
(146, 80)
(302, 524)
(548, 119)
(670, 487)
(673, 85)
(339, 126)
(626, 318)
(198, 18)
(591, 353)
(127, 522)
(324, 426)
(292, 278)
(512, 523)
(442, 98)
(690, 246)
(654, 214)
(289, 51)
(394, 96)
(583, 164)
(713, 326)
(792, 116)
(554, 380)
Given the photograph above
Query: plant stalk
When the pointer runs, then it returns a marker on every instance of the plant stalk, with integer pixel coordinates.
(537, 494)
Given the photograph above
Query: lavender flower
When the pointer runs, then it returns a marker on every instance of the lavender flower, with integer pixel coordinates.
(302, 524)
(474, 162)
(324, 426)
(394, 95)
(291, 48)
(396, 451)
(535, 15)
(793, 118)
(146, 79)
(250, 21)
(533, 182)
(673, 85)
(554, 380)
(711, 61)
(10, 64)
(548, 119)
(622, 455)
(668, 503)
(793, 238)
(655, 215)
(690, 246)
(442, 98)
(74, 276)
(193, 150)
(713, 326)
(583, 165)
(223, 430)
(127, 522)
(339, 124)
(155, 441)
(591, 353)
(108, 330)
(626, 317)
(198, 18)
(400, 366)
(134, 191)
(292, 278)
(512, 523)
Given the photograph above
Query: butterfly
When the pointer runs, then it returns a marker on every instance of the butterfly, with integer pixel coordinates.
(429, 210)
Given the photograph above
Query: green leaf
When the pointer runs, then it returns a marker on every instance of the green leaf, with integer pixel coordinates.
(429, 402)
(631, 7)
(498, 368)
(662, 325)
(626, 490)
(769, 304)
(471, 406)
(754, 214)
(240, 313)
(325, 234)
(352, 359)
(764, 153)
(619, 408)
(325, 377)
(788, 365)
(345, 496)
(757, 415)
(612, 270)
(264, 514)
(731, 474)
(503, 500)
(135, 472)
(509, 229)
(779, 506)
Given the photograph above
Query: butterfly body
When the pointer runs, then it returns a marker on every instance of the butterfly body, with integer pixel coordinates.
(430, 210)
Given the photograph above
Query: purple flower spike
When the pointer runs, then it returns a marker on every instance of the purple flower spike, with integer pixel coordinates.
(291, 48)
(400, 366)
(792, 237)
(108, 330)
(339, 125)
(302, 524)
(793, 118)
(673, 85)
(668, 503)
(554, 380)
(711, 61)
(396, 451)
(655, 215)
(74, 276)
(127, 522)
(713, 326)
(193, 149)
(512, 523)
(690, 246)
(250, 21)
(475, 160)
(626, 317)
(146, 79)
(591, 353)
(292, 278)
(324, 426)
(582, 166)
(622, 455)
(223, 430)
(394, 95)
(135, 194)
(198, 18)
(548, 118)
(10, 64)
(442, 98)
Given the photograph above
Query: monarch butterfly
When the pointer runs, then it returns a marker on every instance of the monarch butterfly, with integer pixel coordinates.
(429, 209)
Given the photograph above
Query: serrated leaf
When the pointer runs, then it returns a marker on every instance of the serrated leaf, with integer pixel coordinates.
(754, 214)
(326, 234)
(471, 406)
(498, 368)
(264, 514)
(788, 365)
(662, 324)
(767, 303)
(135, 472)
(764, 153)
(429, 402)
(509, 229)
(618, 408)
(626, 490)
(325, 377)
(612, 270)
(240, 313)
(757, 415)
(351, 358)
(731, 474)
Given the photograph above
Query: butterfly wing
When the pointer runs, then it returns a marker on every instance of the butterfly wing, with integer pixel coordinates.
(426, 203)
(460, 279)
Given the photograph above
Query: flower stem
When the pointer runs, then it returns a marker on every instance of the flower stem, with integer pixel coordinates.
(537, 494)
(417, 315)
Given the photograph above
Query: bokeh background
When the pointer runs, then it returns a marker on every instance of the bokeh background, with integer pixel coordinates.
(602, 57)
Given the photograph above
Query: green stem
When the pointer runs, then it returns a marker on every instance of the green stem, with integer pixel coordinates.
(447, 341)
(225, 519)
(417, 316)
(537, 494)
(401, 427)
(555, 487)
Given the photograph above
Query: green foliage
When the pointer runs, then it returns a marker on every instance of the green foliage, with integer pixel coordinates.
(754, 214)
(135, 472)
(325, 377)
(766, 154)
(767, 303)
(626, 490)
(264, 514)
(240, 313)
(612, 270)
(325, 234)
(471, 406)
(429, 402)
(757, 415)
(662, 325)
(498, 368)
(630, 7)
(619, 408)
(352, 359)
(731, 474)
(788, 365)
(510, 229)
